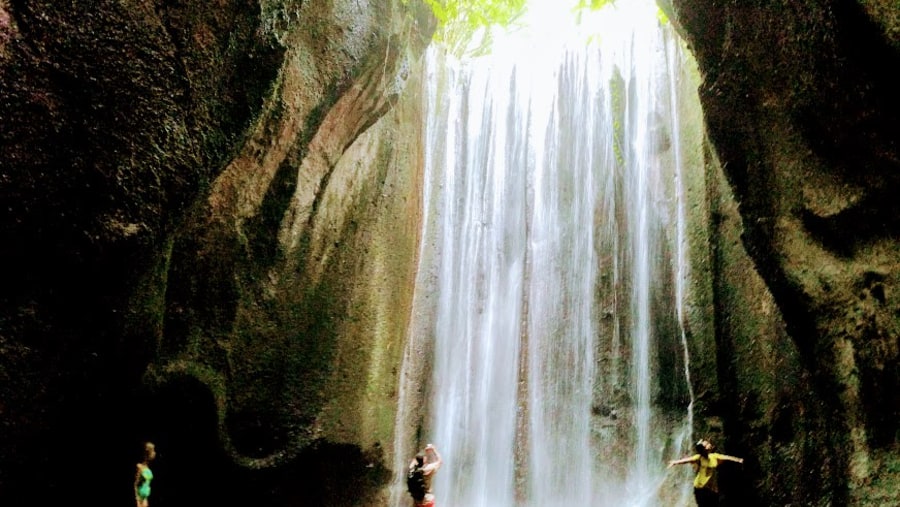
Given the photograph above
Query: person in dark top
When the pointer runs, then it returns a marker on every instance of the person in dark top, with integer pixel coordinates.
(420, 474)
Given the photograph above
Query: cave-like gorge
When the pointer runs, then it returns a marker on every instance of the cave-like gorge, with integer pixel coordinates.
(210, 231)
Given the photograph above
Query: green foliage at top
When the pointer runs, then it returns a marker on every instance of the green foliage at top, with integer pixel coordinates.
(596, 5)
(464, 26)
(591, 4)
(476, 13)
(661, 16)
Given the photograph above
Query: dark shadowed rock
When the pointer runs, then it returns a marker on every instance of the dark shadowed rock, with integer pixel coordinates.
(151, 151)
(801, 106)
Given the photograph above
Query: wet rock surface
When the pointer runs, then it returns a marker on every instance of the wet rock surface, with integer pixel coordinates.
(800, 108)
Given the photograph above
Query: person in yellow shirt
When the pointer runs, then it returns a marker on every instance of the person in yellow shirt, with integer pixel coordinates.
(706, 484)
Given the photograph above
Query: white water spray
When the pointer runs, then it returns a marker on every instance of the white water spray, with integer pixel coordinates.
(555, 244)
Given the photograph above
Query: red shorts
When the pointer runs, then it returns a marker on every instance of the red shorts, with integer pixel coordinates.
(425, 503)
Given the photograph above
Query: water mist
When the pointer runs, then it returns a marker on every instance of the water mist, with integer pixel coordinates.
(554, 269)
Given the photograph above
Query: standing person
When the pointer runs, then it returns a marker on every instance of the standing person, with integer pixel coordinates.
(144, 475)
(420, 474)
(706, 484)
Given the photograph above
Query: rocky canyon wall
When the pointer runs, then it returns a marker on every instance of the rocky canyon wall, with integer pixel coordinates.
(209, 222)
(801, 111)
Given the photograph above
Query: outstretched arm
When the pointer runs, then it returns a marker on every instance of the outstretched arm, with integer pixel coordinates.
(683, 461)
(434, 464)
(725, 457)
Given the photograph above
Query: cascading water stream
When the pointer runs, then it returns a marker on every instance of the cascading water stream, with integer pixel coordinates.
(555, 261)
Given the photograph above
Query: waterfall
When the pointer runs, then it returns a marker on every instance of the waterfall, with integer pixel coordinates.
(553, 268)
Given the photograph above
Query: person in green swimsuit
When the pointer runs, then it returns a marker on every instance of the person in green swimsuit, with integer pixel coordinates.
(144, 475)
(706, 484)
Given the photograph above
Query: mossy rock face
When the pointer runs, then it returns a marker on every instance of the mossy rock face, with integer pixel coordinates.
(801, 107)
(157, 279)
